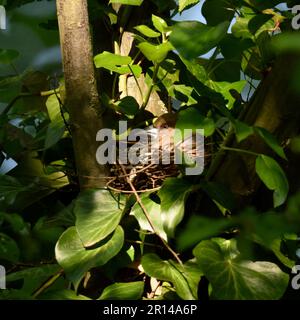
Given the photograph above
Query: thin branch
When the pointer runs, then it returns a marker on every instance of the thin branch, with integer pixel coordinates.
(138, 199)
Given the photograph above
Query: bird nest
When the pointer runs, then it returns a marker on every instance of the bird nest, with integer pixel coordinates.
(142, 177)
(156, 162)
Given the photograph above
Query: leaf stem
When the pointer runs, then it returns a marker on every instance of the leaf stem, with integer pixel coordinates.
(241, 151)
(147, 97)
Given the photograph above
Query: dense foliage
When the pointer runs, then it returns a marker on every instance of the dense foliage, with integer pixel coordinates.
(201, 242)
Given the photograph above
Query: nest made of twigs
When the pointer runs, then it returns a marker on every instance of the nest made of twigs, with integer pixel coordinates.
(147, 175)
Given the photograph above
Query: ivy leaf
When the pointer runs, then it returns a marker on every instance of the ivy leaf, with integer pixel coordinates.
(128, 106)
(77, 260)
(10, 187)
(159, 24)
(242, 130)
(34, 277)
(173, 194)
(123, 291)
(9, 250)
(271, 141)
(8, 55)
(273, 177)
(191, 118)
(199, 228)
(155, 53)
(62, 294)
(128, 2)
(116, 63)
(192, 39)
(183, 4)
(225, 87)
(240, 28)
(56, 128)
(98, 214)
(154, 212)
(182, 277)
(235, 279)
(216, 11)
(219, 193)
(146, 31)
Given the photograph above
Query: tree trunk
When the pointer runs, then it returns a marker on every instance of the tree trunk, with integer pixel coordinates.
(82, 100)
(274, 107)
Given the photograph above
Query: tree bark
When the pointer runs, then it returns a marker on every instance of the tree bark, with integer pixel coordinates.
(82, 100)
(127, 83)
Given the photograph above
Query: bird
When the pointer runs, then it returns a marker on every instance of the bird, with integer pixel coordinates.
(157, 152)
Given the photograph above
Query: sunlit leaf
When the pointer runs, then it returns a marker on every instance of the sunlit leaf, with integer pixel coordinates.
(173, 194)
(128, 2)
(116, 63)
(159, 23)
(123, 291)
(154, 212)
(98, 214)
(183, 4)
(146, 31)
(273, 177)
(155, 53)
(235, 279)
(182, 277)
(77, 260)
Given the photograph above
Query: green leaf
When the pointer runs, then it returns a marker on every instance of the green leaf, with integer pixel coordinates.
(200, 228)
(128, 2)
(273, 177)
(56, 128)
(9, 250)
(192, 38)
(173, 194)
(225, 87)
(55, 132)
(183, 4)
(219, 193)
(191, 118)
(123, 291)
(155, 53)
(182, 277)
(271, 141)
(153, 209)
(7, 56)
(64, 294)
(242, 130)
(276, 248)
(286, 42)
(146, 31)
(259, 23)
(116, 63)
(128, 106)
(159, 24)
(240, 28)
(98, 214)
(235, 279)
(76, 260)
(53, 107)
(216, 11)
(33, 277)
(184, 91)
(10, 187)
